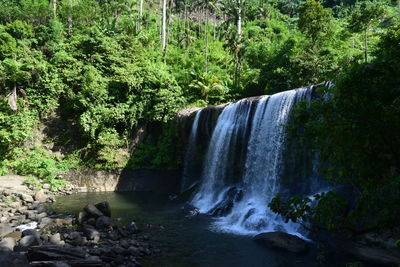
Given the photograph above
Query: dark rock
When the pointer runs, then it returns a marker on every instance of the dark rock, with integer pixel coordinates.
(76, 239)
(41, 208)
(32, 232)
(124, 243)
(284, 241)
(13, 259)
(91, 221)
(7, 244)
(5, 229)
(90, 232)
(93, 211)
(49, 253)
(28, 241)
(118, 250)
(377, 256)
(104, 207)
(103, 222)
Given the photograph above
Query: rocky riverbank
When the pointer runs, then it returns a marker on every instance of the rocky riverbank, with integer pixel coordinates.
(31, 235)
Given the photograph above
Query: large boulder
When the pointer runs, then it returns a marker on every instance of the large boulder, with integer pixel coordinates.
(283, 241)
(93, 211)
(104, 222)
(26, 198)
(5, 229)
(104, 207)
(28, 241)
(7, 244)
(41, 196)
(373, 255)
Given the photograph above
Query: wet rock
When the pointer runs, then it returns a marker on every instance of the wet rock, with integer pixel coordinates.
(90, 232)
(283, 241)
(41, 196)
(104, 207)
(5, 229)
(13, 259)
(41, 208)
(40, 216)
(118, 250)
(103, 222)
(45, 222)
(31, 232)
(26, 198)
(76, 239)
(7, 244)
(93, 211)
(49, 253)
(28, 241)
(376, 256)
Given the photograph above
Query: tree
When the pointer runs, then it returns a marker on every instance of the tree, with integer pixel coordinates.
(365, 18)
(314, 20)
(164, 27)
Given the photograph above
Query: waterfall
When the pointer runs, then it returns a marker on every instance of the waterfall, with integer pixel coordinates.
(188, 178)
(244, 165)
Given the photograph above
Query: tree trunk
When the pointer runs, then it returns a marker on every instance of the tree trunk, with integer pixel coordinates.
(239, 22)
(366, 45)
(206, 33)
(140, 15)
(164, 26)
(54, 2)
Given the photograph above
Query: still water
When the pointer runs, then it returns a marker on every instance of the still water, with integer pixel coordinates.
(184, 241)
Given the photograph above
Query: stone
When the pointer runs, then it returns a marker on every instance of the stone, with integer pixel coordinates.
(53, 252)
(76, 239)
(103, 222)
(3, 219)
(17, 235)
(46, 186)
(93, 211)
(45, 222)
(31, 214)
(90, 232)
(40, 216)
(7, 244)
(82, 216)
(56, 240)
(13, 259)
(26, 197)
(375, 256)
(41, 196)
(28, 241)
(41, 208)
(31, 232)
(5, 229)
(283, 241)
(104, 207)
(15, 205)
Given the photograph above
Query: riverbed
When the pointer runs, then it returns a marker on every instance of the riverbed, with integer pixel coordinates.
(184, 241)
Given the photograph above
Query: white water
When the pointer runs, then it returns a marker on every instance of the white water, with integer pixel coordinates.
(262, 170)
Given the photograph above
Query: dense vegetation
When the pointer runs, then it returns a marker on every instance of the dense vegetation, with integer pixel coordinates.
(96, 71)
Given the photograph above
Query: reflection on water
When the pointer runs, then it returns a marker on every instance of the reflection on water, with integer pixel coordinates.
(184, 241)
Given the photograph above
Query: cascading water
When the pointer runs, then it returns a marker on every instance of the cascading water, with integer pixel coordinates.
(187, 177)
(243, 167)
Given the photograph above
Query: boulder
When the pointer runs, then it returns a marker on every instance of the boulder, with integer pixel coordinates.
(46, 186)
(56, 240)
(283, 241)
(375, 256)
(26, 197)
(7, 244)
(104, 207)
(82, 216)
(41, 196)
(28, 241)
(31, 232)
(93, 211)
(16, 235)
(5, 229)
(103, 222)
(48, 253)
(13, 259)
(90, 232)
(76, 239)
